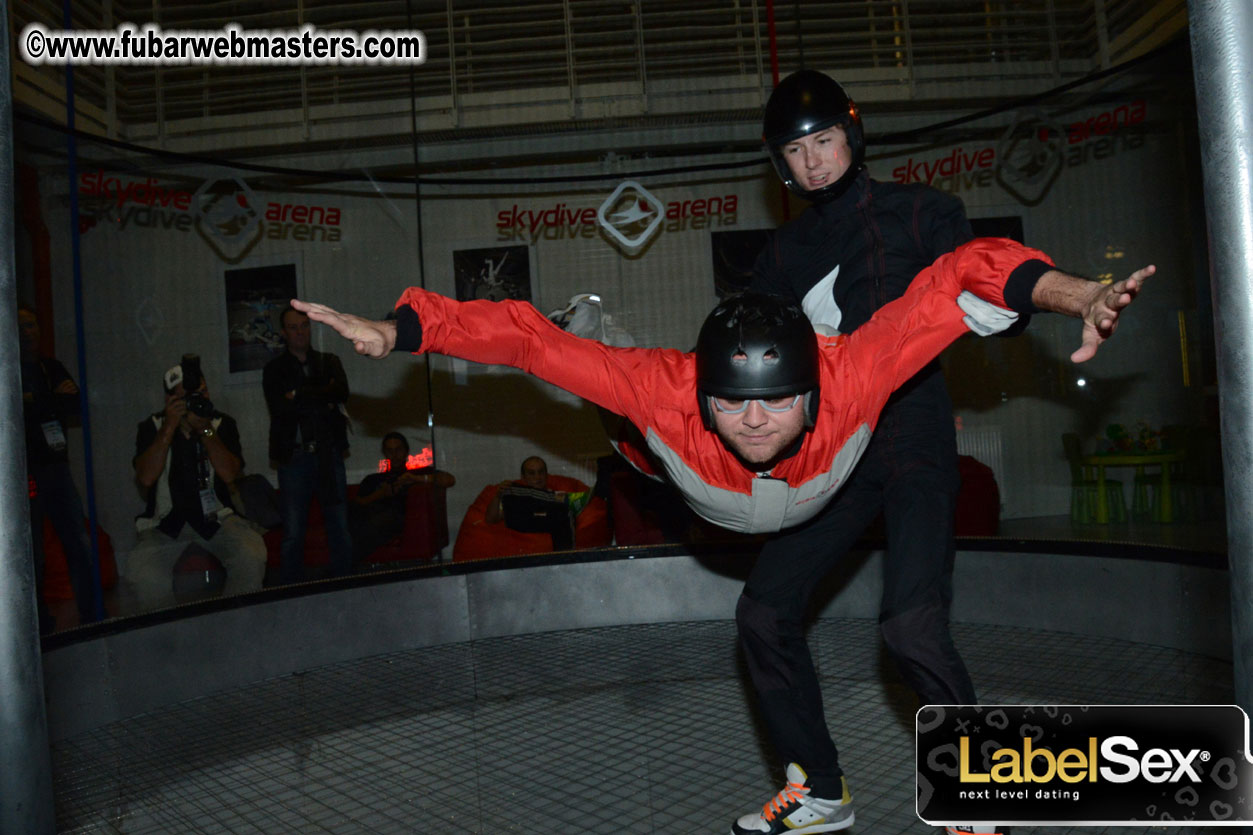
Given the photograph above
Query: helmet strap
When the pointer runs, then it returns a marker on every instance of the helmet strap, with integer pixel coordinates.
(706, 409)
(812, 399)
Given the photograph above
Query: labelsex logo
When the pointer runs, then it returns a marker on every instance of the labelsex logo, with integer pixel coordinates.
(1040, 765)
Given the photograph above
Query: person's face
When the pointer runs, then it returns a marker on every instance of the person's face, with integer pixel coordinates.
(535, 473)
(296, 331)
(397, 452)
(28, 331)
(818, 159)
(757, 435)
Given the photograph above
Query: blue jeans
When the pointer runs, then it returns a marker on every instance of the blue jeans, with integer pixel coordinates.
(305, 475)
(57, 498)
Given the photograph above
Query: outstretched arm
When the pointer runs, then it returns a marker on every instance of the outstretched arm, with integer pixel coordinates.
(370, 337)
(1098, 305)
(515, 334)
(907, 333)
(1034, 286)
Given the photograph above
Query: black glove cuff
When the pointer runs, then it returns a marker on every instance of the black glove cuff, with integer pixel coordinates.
(1022, 282)
(408, 329)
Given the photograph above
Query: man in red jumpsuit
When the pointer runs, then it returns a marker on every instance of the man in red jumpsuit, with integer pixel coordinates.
(760, 427)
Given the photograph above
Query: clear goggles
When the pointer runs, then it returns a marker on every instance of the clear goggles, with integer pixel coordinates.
(736, 406)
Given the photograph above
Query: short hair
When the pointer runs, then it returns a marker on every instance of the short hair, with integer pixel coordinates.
(286, 310)
(533, 458)
(395, 436)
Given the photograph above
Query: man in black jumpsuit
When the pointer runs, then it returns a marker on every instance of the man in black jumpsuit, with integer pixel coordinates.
(856, 249)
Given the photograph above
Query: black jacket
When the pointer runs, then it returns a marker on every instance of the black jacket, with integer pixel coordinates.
(41, 404)
(188, 470)
(321, 386)
(845, 259)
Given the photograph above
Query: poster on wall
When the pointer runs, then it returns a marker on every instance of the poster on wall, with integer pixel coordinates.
(493, 273)
(255, 298)
(734, 254)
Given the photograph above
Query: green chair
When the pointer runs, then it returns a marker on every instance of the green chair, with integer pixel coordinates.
(1187, 477)
(1145, 501)
(1083, 485)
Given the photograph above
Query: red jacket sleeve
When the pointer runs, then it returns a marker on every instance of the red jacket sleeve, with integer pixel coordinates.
(906, 334)
(514, 333)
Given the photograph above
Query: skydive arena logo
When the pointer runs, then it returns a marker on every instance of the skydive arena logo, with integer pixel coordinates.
(225, 217)
(1091, 765)
(630, 215)
(224, 211)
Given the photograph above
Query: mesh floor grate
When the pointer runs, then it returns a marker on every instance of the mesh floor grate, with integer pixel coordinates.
(640, 729)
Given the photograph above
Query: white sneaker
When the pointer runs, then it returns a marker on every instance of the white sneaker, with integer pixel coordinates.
(794, 812)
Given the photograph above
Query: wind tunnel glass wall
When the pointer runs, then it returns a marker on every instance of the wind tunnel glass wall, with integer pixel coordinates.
(178, 256)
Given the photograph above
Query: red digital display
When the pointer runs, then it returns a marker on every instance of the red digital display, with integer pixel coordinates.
(420, 461)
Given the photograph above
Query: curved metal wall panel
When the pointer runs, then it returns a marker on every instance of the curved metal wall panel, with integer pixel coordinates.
(95, 682)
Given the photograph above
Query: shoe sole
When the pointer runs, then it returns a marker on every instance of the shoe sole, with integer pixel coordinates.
(832, 827)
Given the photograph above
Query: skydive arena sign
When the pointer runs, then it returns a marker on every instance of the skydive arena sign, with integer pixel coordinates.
(564, 221)
(1088, 765)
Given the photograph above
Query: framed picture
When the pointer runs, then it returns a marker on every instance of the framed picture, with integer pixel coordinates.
(494, 273)
(256, 295)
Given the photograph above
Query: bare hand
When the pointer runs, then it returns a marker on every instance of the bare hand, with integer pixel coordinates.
(175, 409)
(369, 337)
(1100, 315)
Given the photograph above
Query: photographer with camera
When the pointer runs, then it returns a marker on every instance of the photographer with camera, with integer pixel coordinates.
(189, 511)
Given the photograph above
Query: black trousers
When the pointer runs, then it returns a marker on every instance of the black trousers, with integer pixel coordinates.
(912, 476)
(56, 497)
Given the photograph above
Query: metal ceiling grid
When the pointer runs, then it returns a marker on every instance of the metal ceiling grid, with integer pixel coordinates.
(551, 61)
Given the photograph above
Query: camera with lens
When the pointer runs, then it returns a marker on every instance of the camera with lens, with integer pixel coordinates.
(197, 402)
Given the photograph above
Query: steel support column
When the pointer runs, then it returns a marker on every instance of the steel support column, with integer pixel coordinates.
(25, 766)
(1222, 65)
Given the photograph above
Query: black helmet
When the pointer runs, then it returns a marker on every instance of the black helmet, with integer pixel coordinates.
(752, 346)
(806, 102)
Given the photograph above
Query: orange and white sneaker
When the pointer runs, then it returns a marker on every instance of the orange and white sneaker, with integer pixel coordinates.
(795, 812)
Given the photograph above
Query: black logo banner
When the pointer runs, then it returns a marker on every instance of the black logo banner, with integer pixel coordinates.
(1084, 764)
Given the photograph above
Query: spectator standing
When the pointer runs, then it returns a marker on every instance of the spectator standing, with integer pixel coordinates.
(49, 403)
(305, 391)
